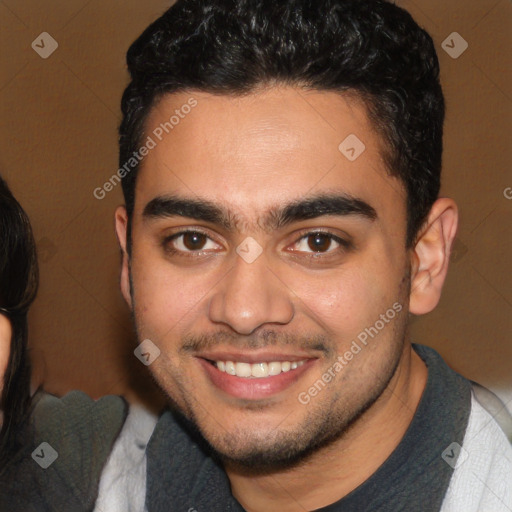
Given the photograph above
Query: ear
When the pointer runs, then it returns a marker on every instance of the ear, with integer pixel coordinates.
(431, 256)
(121, 217)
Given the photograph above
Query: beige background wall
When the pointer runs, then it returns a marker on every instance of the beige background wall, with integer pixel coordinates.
(59, 121)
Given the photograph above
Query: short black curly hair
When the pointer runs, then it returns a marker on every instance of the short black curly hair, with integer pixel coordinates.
(369, 47)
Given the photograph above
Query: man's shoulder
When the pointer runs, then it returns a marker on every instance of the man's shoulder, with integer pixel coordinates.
(482, 477)
(478, 450)
(479, 398)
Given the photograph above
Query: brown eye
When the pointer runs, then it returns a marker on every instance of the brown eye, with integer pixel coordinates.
(194, 241)
(319, 242)
(189, 242)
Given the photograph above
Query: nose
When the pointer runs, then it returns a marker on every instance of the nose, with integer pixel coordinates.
(249, 296)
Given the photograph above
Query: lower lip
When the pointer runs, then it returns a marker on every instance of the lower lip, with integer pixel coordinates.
(253, 388)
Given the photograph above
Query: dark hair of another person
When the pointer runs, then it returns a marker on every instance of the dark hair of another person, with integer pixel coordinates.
(232, 47)
(18, 288)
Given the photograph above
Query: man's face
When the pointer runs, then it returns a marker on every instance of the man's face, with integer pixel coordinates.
(306, 284)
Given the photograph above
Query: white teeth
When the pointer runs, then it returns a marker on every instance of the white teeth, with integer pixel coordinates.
(257, 370)
(260, 370)
(243, 369)
(274, 368)
(230, 368)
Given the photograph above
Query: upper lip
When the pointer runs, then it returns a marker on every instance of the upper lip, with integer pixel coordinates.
(252, 357)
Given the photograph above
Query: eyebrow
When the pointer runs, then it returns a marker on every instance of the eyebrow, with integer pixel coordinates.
(278, 217)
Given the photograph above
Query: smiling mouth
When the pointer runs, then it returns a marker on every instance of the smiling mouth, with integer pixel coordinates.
(252, 377)
(256, 370)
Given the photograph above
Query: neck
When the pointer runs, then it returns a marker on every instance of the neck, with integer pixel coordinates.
(334, 471)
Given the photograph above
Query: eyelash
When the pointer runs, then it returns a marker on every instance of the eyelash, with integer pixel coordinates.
(344, 245)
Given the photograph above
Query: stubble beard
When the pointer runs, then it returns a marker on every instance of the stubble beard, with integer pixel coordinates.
(281, 450)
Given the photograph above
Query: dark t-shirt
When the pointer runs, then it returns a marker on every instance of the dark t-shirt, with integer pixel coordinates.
(183, 476)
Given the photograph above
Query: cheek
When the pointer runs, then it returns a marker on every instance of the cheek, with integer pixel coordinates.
(347, 300)
(340, 302)
(165, 295)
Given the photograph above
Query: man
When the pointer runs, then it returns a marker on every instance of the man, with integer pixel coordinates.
(283, 222)
(280, 163)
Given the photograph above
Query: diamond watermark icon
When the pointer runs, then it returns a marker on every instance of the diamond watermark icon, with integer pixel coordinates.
(44, 45)
(45, 455)
(249, 250)
(147, 352)
(454, 45)
(454, 455)
(458, 250)
(352, 147)
(46, 249)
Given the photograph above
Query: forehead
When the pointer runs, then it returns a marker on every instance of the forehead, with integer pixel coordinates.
(261, 149)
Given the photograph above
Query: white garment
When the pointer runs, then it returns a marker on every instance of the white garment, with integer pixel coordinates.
(482, 479)
(123, 480)
(480, 483)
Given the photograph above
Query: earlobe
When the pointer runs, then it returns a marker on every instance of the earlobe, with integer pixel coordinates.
(121, 218)
(431, 255)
